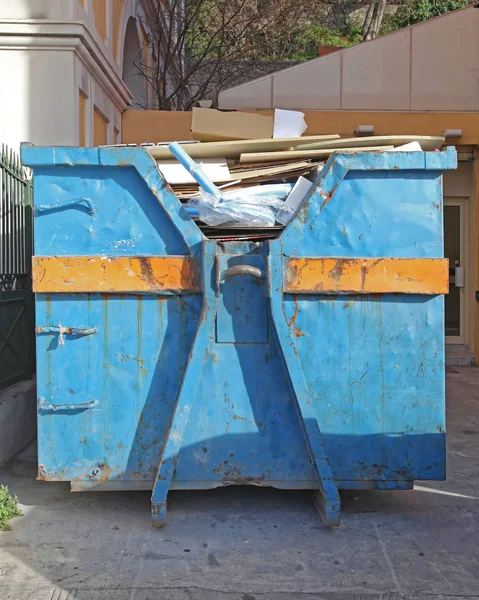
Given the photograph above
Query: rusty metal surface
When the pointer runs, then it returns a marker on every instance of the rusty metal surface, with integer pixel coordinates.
(302, 275)
(72, 274)
(366, 275)
(239, 362)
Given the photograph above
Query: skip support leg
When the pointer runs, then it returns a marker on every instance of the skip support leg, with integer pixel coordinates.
(171, 450)
(327, 500)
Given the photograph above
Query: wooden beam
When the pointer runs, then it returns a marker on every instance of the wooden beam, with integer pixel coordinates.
(314, 154)
(427, 142)
(234, 148)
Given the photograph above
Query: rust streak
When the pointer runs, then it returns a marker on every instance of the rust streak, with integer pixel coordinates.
(327, 197)
(296, 312)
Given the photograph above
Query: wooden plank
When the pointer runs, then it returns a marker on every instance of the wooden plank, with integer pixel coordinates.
(235, 164)
(367, 276)
(265, 172)
(289, 154)
(121, 274)
(245, 179)
(427, 142)
(234, 148)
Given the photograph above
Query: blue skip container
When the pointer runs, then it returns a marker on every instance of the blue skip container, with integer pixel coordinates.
(166, 360)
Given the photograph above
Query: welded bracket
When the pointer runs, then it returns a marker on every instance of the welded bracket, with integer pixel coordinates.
(327, 500)
(205, 333)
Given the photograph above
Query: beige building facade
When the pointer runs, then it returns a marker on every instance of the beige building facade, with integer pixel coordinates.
(69, 69)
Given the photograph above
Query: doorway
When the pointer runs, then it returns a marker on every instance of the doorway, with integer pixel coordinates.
(455, 231)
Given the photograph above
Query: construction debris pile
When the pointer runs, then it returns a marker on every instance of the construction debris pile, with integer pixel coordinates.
(245, 175)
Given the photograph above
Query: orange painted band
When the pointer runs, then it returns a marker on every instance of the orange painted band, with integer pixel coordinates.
(62, 274)
(367, 275)
(75, 274)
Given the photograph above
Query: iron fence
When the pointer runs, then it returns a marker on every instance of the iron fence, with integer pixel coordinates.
(17, 355)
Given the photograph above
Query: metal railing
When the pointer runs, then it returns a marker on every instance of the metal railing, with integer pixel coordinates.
(17, 354)
(15, 221)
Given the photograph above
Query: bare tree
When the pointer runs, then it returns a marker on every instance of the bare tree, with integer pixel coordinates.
(204, 46)
(345, 16)
(373, 19)
(196, 42)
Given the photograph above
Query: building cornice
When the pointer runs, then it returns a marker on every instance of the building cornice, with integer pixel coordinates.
(28, 34)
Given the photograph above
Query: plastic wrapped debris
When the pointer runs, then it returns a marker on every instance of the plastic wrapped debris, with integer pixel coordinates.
(192, 209)
(293, 201)
(255, 206)
(248, 207)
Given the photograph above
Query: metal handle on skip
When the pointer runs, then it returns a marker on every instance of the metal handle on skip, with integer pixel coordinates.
(234, 272)
(242, 270)
(39, 208)
(42, 405)
(65, 331)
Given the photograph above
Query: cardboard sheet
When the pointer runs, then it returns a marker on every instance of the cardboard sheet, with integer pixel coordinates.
(288, 123)
(427, 142)
(209, 125)
(292, 154)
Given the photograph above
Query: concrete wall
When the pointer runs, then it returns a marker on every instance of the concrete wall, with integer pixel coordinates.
(61, 62)
(36, 103)
(432, 66)
(42, 79)
(37, 9)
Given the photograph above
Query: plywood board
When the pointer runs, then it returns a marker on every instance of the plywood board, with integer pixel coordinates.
(323, 153)
(427, 142)
(234, 149)
(270, 172)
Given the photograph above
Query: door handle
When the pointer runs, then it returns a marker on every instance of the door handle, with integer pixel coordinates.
(234, 272)
(86, 202)
(241, 270)
(459, 277)
(42, 405)
(79, 331)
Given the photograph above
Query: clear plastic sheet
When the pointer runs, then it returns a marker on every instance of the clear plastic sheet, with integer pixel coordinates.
(249, 207)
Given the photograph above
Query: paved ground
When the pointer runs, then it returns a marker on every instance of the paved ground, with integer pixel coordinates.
(251, 543)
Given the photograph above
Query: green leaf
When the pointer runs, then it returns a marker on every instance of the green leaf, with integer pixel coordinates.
(421, 10)
(8, 508)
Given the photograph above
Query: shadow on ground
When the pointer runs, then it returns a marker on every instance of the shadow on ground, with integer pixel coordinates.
(242, 543)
